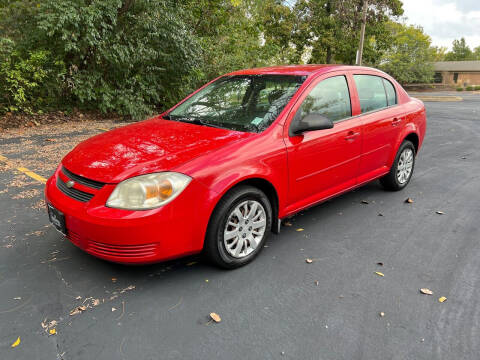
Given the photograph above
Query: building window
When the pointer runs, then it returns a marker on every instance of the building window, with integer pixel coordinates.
(455, 77)
(438, 78)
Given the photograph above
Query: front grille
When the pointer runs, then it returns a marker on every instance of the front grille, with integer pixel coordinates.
(73, 193)
(81, 180)
(122, 250)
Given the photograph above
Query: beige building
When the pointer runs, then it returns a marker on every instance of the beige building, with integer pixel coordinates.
(457, 73)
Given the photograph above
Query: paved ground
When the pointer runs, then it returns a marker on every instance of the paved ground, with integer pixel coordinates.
(467, 95)
(273, 308)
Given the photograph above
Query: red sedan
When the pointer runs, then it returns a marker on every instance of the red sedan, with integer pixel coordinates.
(218, 172)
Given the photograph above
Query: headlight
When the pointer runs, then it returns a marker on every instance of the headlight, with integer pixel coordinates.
(148, 191)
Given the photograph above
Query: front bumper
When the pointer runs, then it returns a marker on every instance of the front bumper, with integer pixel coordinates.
(135, 237)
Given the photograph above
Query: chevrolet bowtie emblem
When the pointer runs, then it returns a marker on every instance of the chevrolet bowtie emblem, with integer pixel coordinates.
(70, 183)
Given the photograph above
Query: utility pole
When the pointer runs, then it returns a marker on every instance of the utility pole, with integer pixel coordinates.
(362, 33)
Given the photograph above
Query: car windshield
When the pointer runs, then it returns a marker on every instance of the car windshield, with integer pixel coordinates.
(247, 103)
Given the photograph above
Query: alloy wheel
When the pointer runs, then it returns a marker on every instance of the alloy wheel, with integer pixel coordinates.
(245, 228)
(405, 166)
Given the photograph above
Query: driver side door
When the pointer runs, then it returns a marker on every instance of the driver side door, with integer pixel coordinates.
(323, 163)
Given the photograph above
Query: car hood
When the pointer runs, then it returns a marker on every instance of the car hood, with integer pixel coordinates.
(145, 147)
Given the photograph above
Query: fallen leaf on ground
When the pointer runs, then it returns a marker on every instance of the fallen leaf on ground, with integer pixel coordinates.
(113, 309)
(16, 343)
(409, 200)
(191, 263)
(215, 317)
(440, 212)
(426, 291)
(114, 279)
(287, 223)
(78, 298)
(364, 202)
(308, 261)
(78, 310)
(206, 280)
(49, 325)
(96, 302)
(128, 288)
(52, 331)
(382, 314)
(442, 299)
(379, 273)
(300, 229)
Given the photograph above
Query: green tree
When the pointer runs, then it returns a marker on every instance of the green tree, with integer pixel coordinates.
(460, 51)
(330, 29)
(236, 34)
(476, 53)
(125, 56)
(409, 59)
(30, 82)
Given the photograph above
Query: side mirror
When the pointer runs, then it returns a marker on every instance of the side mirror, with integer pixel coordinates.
(310, 122)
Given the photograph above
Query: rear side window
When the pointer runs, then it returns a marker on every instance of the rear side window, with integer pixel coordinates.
(391, 94)
(371, 92)
(329, 98)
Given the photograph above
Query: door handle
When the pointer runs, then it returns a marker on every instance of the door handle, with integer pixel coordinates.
(351, 135)
(396, 121)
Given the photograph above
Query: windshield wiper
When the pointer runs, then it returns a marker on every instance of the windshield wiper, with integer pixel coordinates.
(197, 121)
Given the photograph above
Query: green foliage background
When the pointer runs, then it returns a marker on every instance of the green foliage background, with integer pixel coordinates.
(136, 57)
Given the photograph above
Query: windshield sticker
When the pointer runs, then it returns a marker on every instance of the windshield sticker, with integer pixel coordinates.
(257, 120)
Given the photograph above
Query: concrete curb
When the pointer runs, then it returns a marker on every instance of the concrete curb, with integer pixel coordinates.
(439, 98)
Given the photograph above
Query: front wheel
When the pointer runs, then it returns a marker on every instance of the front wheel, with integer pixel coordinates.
(402, 168)
(238, 228)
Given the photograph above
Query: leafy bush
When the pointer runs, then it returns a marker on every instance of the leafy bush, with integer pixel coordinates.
(477, 87)
(29, 82)
(469, 88)
(123, 56)
(459, 89)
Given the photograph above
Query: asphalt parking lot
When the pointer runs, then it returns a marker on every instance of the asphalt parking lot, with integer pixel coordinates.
(278, 307)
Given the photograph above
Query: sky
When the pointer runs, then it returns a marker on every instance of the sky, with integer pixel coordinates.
(446, 20)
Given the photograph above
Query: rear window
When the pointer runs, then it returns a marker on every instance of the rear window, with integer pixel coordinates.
(371, 92)
(391, 94)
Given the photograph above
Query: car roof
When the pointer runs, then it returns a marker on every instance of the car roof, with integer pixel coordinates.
(297, 69)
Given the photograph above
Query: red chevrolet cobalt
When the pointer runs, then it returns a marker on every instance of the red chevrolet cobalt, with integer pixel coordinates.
(218, 172)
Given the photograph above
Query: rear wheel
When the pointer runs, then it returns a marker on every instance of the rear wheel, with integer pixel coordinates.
(402, 168)
(238, 228)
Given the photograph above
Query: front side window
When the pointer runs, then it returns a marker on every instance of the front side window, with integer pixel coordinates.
(371, 92)
(329, 98)
(243, 102)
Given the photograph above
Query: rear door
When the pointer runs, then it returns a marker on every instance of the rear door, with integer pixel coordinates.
(381, 123)
(323, 163)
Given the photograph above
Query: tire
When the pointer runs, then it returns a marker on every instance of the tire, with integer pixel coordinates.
(238, 243)
(393, 181)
